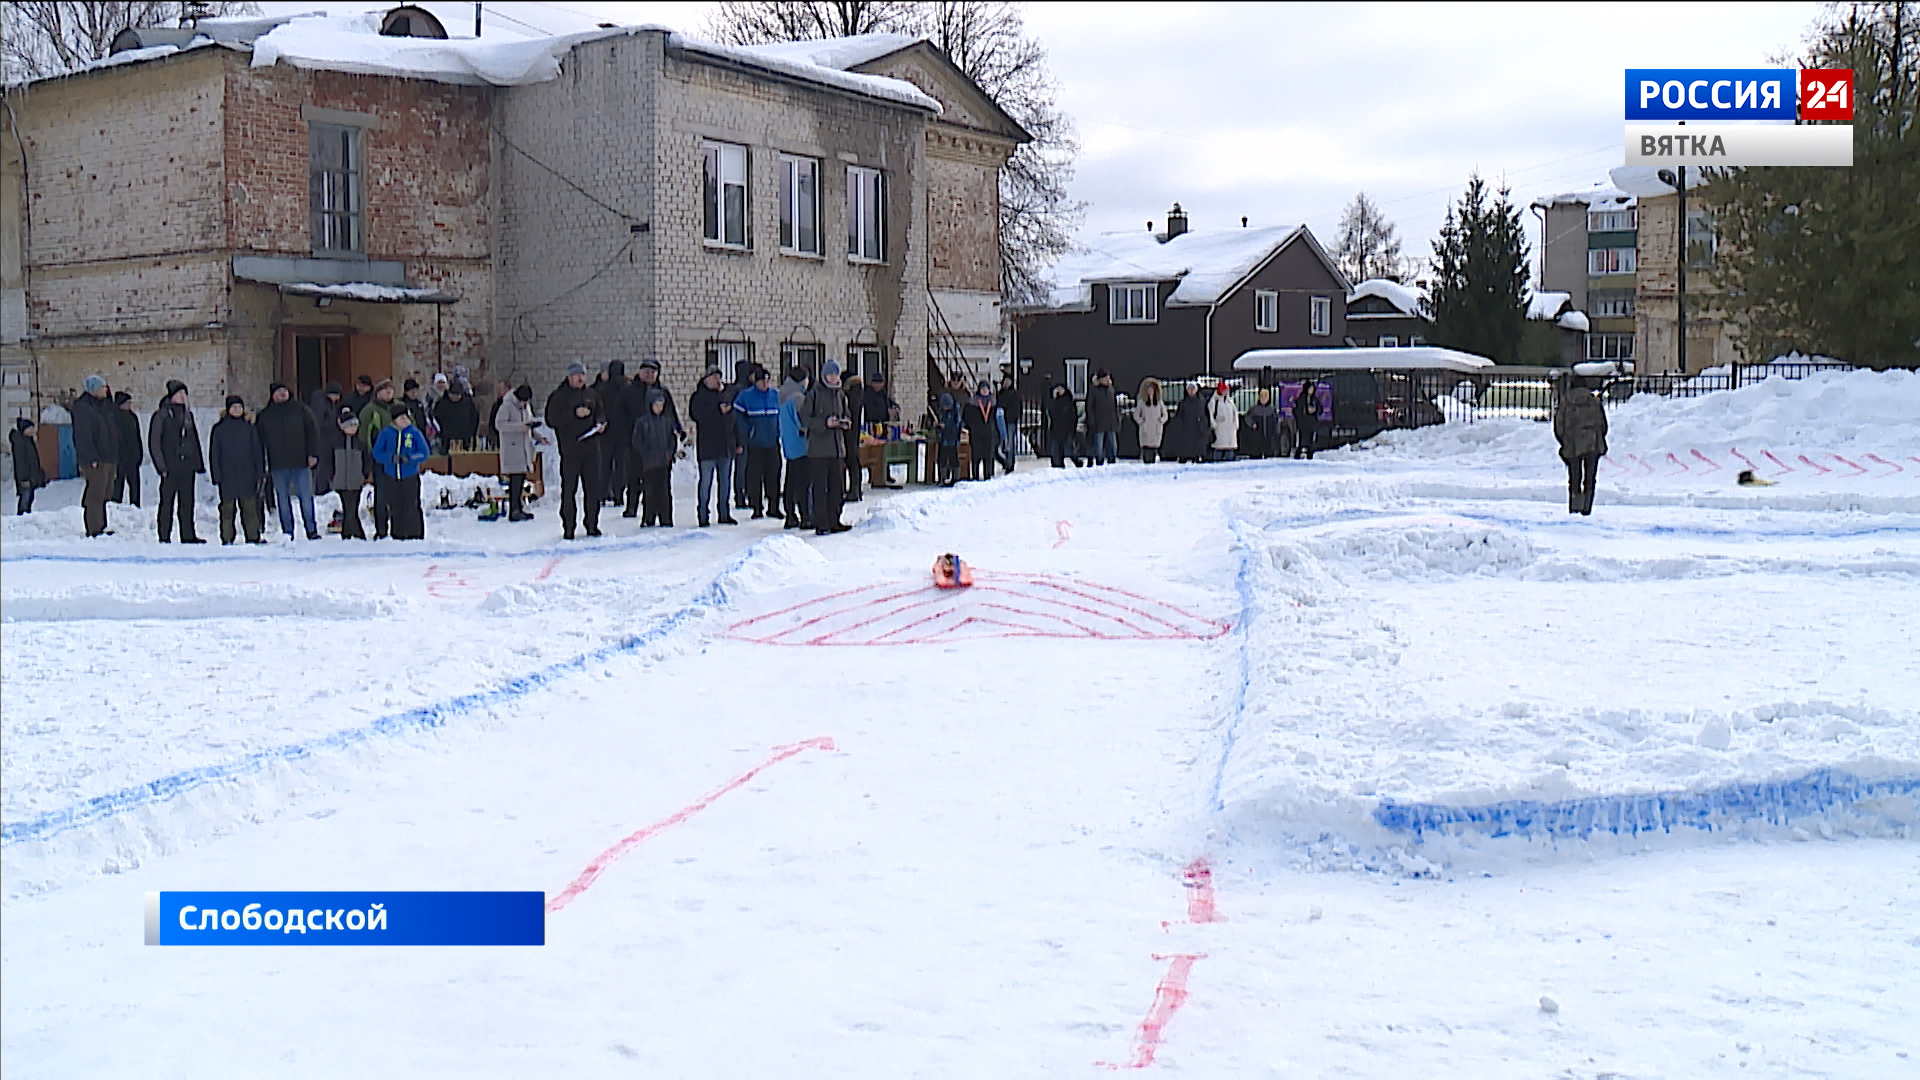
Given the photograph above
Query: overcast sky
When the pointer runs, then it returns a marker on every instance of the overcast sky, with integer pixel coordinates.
(1281, 112)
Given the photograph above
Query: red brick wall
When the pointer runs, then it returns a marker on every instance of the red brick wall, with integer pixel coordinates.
(425, 170)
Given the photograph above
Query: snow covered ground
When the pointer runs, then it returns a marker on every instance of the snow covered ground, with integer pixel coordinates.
(1376, 765)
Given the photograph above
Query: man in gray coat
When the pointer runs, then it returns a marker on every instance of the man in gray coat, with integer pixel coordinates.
(825, 421)
(1580, 423)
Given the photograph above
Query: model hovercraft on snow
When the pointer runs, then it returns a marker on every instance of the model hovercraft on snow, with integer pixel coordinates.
(950, 573)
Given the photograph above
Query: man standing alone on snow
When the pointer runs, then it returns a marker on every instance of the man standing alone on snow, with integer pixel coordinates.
(1580, 424)
(96, 446)
(292, 440)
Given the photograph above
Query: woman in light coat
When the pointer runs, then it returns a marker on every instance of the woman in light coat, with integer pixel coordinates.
(514, 423)
(1224, 418)
(1150, 415)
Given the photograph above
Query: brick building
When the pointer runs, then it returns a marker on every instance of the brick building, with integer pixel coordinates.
(165, 219)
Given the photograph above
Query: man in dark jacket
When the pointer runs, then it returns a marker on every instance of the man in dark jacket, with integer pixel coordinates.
(1580, 425)
(374, 418)
(1063, 424)
(1306, 420)
(29, 475)
(639, 391)
(1009, 405)
(458, 418)
(756, 412)
(238, 465)
(878, 407)
(614, 449)
(1190, 426)
(655, 443)
(856, 413)
(949, 412)
(574, 415)
(96, 448)
(1103, 420)
(823, 417)
(715, 440)
(326, 406)
(416, 406)
(291, 437)
(173, 444)
(126, 471)
(361, 397)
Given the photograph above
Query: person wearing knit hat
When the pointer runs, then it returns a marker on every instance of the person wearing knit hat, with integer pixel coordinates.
(824, 418)
(347, 475)
(238, 465)
(173, 444)
(399, 454)
(1223, 417)
(291, 437)
(29, 475)
(126, 470)
(96, 448)
(374, 419)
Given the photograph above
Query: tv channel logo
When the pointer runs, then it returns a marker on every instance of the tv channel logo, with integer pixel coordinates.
(1711, 94)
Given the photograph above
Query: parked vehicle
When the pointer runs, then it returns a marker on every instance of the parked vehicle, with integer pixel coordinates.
(1366, 390)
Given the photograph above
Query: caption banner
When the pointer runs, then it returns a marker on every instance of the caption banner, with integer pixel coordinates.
(346, 918)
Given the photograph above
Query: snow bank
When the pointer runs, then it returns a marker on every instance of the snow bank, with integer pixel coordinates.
(191, 600)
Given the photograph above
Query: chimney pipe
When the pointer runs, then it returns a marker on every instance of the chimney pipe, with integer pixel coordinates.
(1176, 221)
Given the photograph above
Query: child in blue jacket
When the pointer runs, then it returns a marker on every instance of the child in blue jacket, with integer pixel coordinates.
(400, 450)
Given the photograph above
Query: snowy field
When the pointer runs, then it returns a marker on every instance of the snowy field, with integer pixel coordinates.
(1380, 765)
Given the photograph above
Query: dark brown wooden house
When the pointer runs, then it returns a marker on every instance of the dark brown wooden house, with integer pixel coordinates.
(1386, 314)
(1178, 304)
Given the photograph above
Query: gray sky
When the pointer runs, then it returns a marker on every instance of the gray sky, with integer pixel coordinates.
(1280, 112)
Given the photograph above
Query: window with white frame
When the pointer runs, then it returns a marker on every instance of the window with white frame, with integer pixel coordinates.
(799, 205)
(1077, 378)
(866, 214)
(1612, 220)
(1609, 346)
(725, 193)
(1133, 303)
(866, 361)
(1416, 341)
(802, 355)
(1610, 303)
(731, 357)
(1611, 261)
(334, 193)
(1389, 341)
(1266, 310)
(1320, 315)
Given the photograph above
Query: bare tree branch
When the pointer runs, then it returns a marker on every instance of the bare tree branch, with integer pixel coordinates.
(41, 38)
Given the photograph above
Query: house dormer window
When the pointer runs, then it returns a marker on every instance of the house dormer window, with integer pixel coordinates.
(1132, 303)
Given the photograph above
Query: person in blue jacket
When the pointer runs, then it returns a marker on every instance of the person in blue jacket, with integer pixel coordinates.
(399, 450)
(793, 447)
(950, 428)
(756, 411)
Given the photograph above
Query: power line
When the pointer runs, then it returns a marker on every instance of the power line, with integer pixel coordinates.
(563, 178)
(497, 13)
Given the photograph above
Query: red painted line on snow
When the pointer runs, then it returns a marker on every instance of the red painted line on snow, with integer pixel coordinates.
(1811, 464)
(1676, 460)
(1857, 470)
(1896, 467)
(1748, 461)
(1060, 530)
(1716, 465)
(548, 569)
(1784, 467)
(736, 627)
(613, 854)
(1167, 999)
(1638, 460)
(1198, 879)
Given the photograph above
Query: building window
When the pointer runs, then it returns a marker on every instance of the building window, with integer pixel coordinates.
(1415, 342)
(731, 357)
(334, 203)
(806, 357)
(866, 214)
(1077, 378)
(1266, 310)
(725, 189)
(1389, 341)
(1611, 261)
(1133, 303)
(866, 361)
(799, 205)
(1320, 315)
(1610, 346)
(1610, 303)
(1612, 220)
(1701, 242)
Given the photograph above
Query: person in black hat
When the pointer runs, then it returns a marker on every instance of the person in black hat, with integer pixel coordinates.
(28, 474)
(126, 474)
(636, 397)
(173, 443)
(573, 412)
(615, 449)
(347, 473)
(1103, 420)
(716, 441)
(238, 464)
(292, 441)
(96, 450)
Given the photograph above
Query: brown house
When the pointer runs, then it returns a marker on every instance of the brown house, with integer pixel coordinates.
(1179, 304)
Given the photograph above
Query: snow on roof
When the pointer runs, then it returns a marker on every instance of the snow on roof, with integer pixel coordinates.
(1644, 180)
(353, 43)
(1598, 196)
(800, 60)
(368, 292)
(1404, 297)
(1416, 358)
(1547, 305)
(1206, 263)
(152, 52)
(1574, 320)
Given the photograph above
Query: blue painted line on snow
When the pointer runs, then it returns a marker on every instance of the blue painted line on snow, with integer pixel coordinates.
(1243, 583)
(424, 717)
(1775, 802)
(272, 558)
(1369, 514)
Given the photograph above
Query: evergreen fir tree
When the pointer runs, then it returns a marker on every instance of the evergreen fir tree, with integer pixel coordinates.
(1827, 260)
(1478, 298)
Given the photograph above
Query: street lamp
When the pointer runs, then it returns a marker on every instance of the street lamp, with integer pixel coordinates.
(1679, 183)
